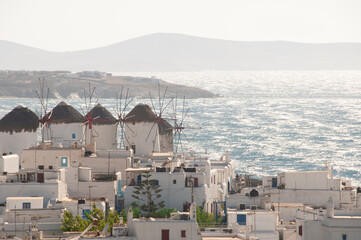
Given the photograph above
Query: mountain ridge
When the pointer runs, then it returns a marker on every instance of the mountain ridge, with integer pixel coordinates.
(178, 52)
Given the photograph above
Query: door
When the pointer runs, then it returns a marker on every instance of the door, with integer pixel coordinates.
(274, 182)
(40, 177)
(195, 182)
(165, 234)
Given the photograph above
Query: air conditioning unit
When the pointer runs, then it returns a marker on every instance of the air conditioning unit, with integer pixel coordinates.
(253, 207)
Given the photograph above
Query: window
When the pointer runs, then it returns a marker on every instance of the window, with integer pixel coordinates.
(73, 135)
(183, 233)
(242, 219)
(344, 236)
(85, 211)
(300, 230)
(11, 132)
(26, 205)
(174, 181)
(64, 161)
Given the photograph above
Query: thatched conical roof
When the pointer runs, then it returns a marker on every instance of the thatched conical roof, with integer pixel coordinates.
(101, 116)
(141, 113)
(64, 113)
(19, 119)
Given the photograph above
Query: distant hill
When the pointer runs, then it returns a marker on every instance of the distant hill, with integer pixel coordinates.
(176, 52)
(63, 84)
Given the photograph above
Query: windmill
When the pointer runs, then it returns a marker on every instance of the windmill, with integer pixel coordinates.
(120, 112)
(164, 128)
(44, 115)
(178, 127)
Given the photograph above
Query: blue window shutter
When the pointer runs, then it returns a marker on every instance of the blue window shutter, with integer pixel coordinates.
(26, 205)
(85, 211)
(242, 219)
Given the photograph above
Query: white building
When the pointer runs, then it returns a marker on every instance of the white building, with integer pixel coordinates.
(261, 224)
(49, 184)
(101, 128)
(83, 184)
(23, 213)
(311, 188)
(145, 132)
(24, 202)
(18, 130)
(180, 226)
(329, 225)
(183, 181)
(9, 164)
(65, 126)
(100, 162)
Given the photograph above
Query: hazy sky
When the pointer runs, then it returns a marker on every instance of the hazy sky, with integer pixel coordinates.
(66, 25)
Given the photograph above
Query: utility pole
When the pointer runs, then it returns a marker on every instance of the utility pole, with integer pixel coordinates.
(108, 166)
(90, 202)
(15, 220)
(255, 229)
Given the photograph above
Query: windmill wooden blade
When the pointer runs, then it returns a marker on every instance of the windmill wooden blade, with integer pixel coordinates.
(185, 115)
(155, 123)
(151, 100)
(129, 127)
(166, 106)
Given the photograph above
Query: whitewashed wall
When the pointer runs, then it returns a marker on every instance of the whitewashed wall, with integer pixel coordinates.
(105, 136)
(17, 202)
(97, 190)
(47, 190)
(9, 163)
(150, 230)
(16, 142)
(175, 195)
(311, 180)
(62, 133)
(137, 134)
(32, 158)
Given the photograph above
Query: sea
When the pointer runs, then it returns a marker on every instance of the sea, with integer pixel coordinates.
(269, 121)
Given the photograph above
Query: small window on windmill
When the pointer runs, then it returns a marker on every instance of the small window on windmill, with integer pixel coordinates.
(73, 135)
(133, 147)
(11, 132)
(133, 122)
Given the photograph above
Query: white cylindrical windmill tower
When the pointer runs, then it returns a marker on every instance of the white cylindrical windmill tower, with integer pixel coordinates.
(64, 125)
(101, 128)
(145, 132)
(18, 130)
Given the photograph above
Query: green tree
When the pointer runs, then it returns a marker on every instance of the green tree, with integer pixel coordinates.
(148, 192)
(73, 223)
(205, 219)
